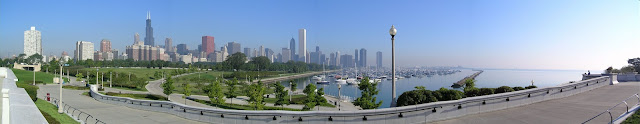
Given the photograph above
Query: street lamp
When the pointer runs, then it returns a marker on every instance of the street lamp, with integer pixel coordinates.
(393, 32)
(339, 97)
(60, 98)
(290, 87)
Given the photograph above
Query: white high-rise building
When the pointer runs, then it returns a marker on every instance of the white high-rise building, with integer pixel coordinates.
(302, 46)
(286, 55)
(84, 50)
(32, 42)
(262, 53)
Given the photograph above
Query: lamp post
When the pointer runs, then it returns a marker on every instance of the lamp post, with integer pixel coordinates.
(60, 98)
(393, 32)
(290, 87)
(97, 76)
(339, 97)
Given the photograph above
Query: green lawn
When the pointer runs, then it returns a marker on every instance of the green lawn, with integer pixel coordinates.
(27, 76)
(146, 73)
(242, 107)
(296, 99)
(634, 119)
(50, 112)
(139, 96)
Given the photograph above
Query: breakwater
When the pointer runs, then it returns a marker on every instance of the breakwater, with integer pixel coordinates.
(461, 82)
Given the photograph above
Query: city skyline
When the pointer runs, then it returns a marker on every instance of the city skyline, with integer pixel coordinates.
(520, 38)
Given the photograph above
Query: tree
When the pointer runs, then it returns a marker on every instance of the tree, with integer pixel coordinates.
(186, 92)
(79, 76)
(35, 58)
(320, 97)
(231, 89)
(168, 86)
(280, 94)
(310, 101)
(367, 99)
(236, 60)
(261, 61)
(294, 86)
(418, 96)
(215, 93)
(256, 95)
(469, 83)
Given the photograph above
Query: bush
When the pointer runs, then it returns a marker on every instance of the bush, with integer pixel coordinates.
(486, 91)
(531, 87)
(416, 97)
(518, 88)
(471, 92)
(503, 89)
(448, 94)
(31, 90)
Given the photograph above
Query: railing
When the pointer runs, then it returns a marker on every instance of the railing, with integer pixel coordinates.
(79, 115)
(625, 101)
(407, 114)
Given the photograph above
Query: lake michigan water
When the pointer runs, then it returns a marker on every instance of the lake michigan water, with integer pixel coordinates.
(489, 78)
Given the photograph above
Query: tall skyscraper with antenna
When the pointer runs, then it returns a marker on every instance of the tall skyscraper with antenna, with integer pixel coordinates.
(148, 39)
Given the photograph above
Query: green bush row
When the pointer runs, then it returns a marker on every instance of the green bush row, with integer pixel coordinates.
(31, 90)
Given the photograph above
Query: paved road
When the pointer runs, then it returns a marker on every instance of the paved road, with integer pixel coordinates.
(569, 110)
(111, 114)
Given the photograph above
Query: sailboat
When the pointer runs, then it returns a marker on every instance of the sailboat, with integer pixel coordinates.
(322, 81)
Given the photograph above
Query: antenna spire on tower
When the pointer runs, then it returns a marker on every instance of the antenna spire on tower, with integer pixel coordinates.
(148, 15)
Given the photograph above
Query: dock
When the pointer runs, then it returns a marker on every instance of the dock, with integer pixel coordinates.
(461, 82)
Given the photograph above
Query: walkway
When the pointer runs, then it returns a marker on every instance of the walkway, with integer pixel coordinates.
(569, 110)
(109, 113)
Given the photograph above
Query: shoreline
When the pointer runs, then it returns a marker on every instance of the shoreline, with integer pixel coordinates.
(275, 79)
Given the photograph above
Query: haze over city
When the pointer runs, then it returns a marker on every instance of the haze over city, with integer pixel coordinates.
(529, 34)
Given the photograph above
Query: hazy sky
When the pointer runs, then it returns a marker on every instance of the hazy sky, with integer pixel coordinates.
(523, 34)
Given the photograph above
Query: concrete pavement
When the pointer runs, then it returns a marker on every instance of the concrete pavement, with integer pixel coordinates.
(574, 109)
(109, 113)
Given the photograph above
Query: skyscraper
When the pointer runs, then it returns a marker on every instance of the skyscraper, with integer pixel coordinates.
(168, 46)
(105, 45)
(247, 52)
(32, 42)
(286, 55)
(346, 61)
(182, 49)
(379, 59)
(292, 48)
(302, 46)
(84, 50)
(261, 51)
(136, 39)
(363, 58)
(356, 58)
(148, 39)
(208, 45)
(233, 47)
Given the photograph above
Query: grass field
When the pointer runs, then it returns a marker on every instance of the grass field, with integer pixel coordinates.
(634, 119)
(139, 96)
(27, 76)
(146, 73)
(242, 107)
(50, 112)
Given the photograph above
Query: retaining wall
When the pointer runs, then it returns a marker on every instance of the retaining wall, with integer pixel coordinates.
(398, 115)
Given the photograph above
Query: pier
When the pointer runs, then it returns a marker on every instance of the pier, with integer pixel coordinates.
(461, 82)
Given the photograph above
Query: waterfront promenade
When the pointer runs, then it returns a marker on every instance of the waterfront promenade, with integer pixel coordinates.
(569, 110)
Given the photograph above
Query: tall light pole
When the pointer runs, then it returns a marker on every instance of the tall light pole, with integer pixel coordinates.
(393, 32)
(110, 79)
(290, 87)
(60, 98)
(339, 97)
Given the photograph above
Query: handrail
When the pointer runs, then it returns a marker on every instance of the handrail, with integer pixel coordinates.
(609, 110)
(385, 111)
(54, 101)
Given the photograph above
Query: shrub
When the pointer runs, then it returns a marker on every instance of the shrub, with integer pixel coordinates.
(31, 90)
(503, 89)
(471, 92)
(531, 87)
(448, 94)
(416, 97)
(518, 88)
(486, 91)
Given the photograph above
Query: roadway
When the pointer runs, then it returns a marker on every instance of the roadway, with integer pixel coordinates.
(569, 110)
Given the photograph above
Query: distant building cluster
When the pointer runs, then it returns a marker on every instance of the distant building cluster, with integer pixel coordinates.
(147, 50)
